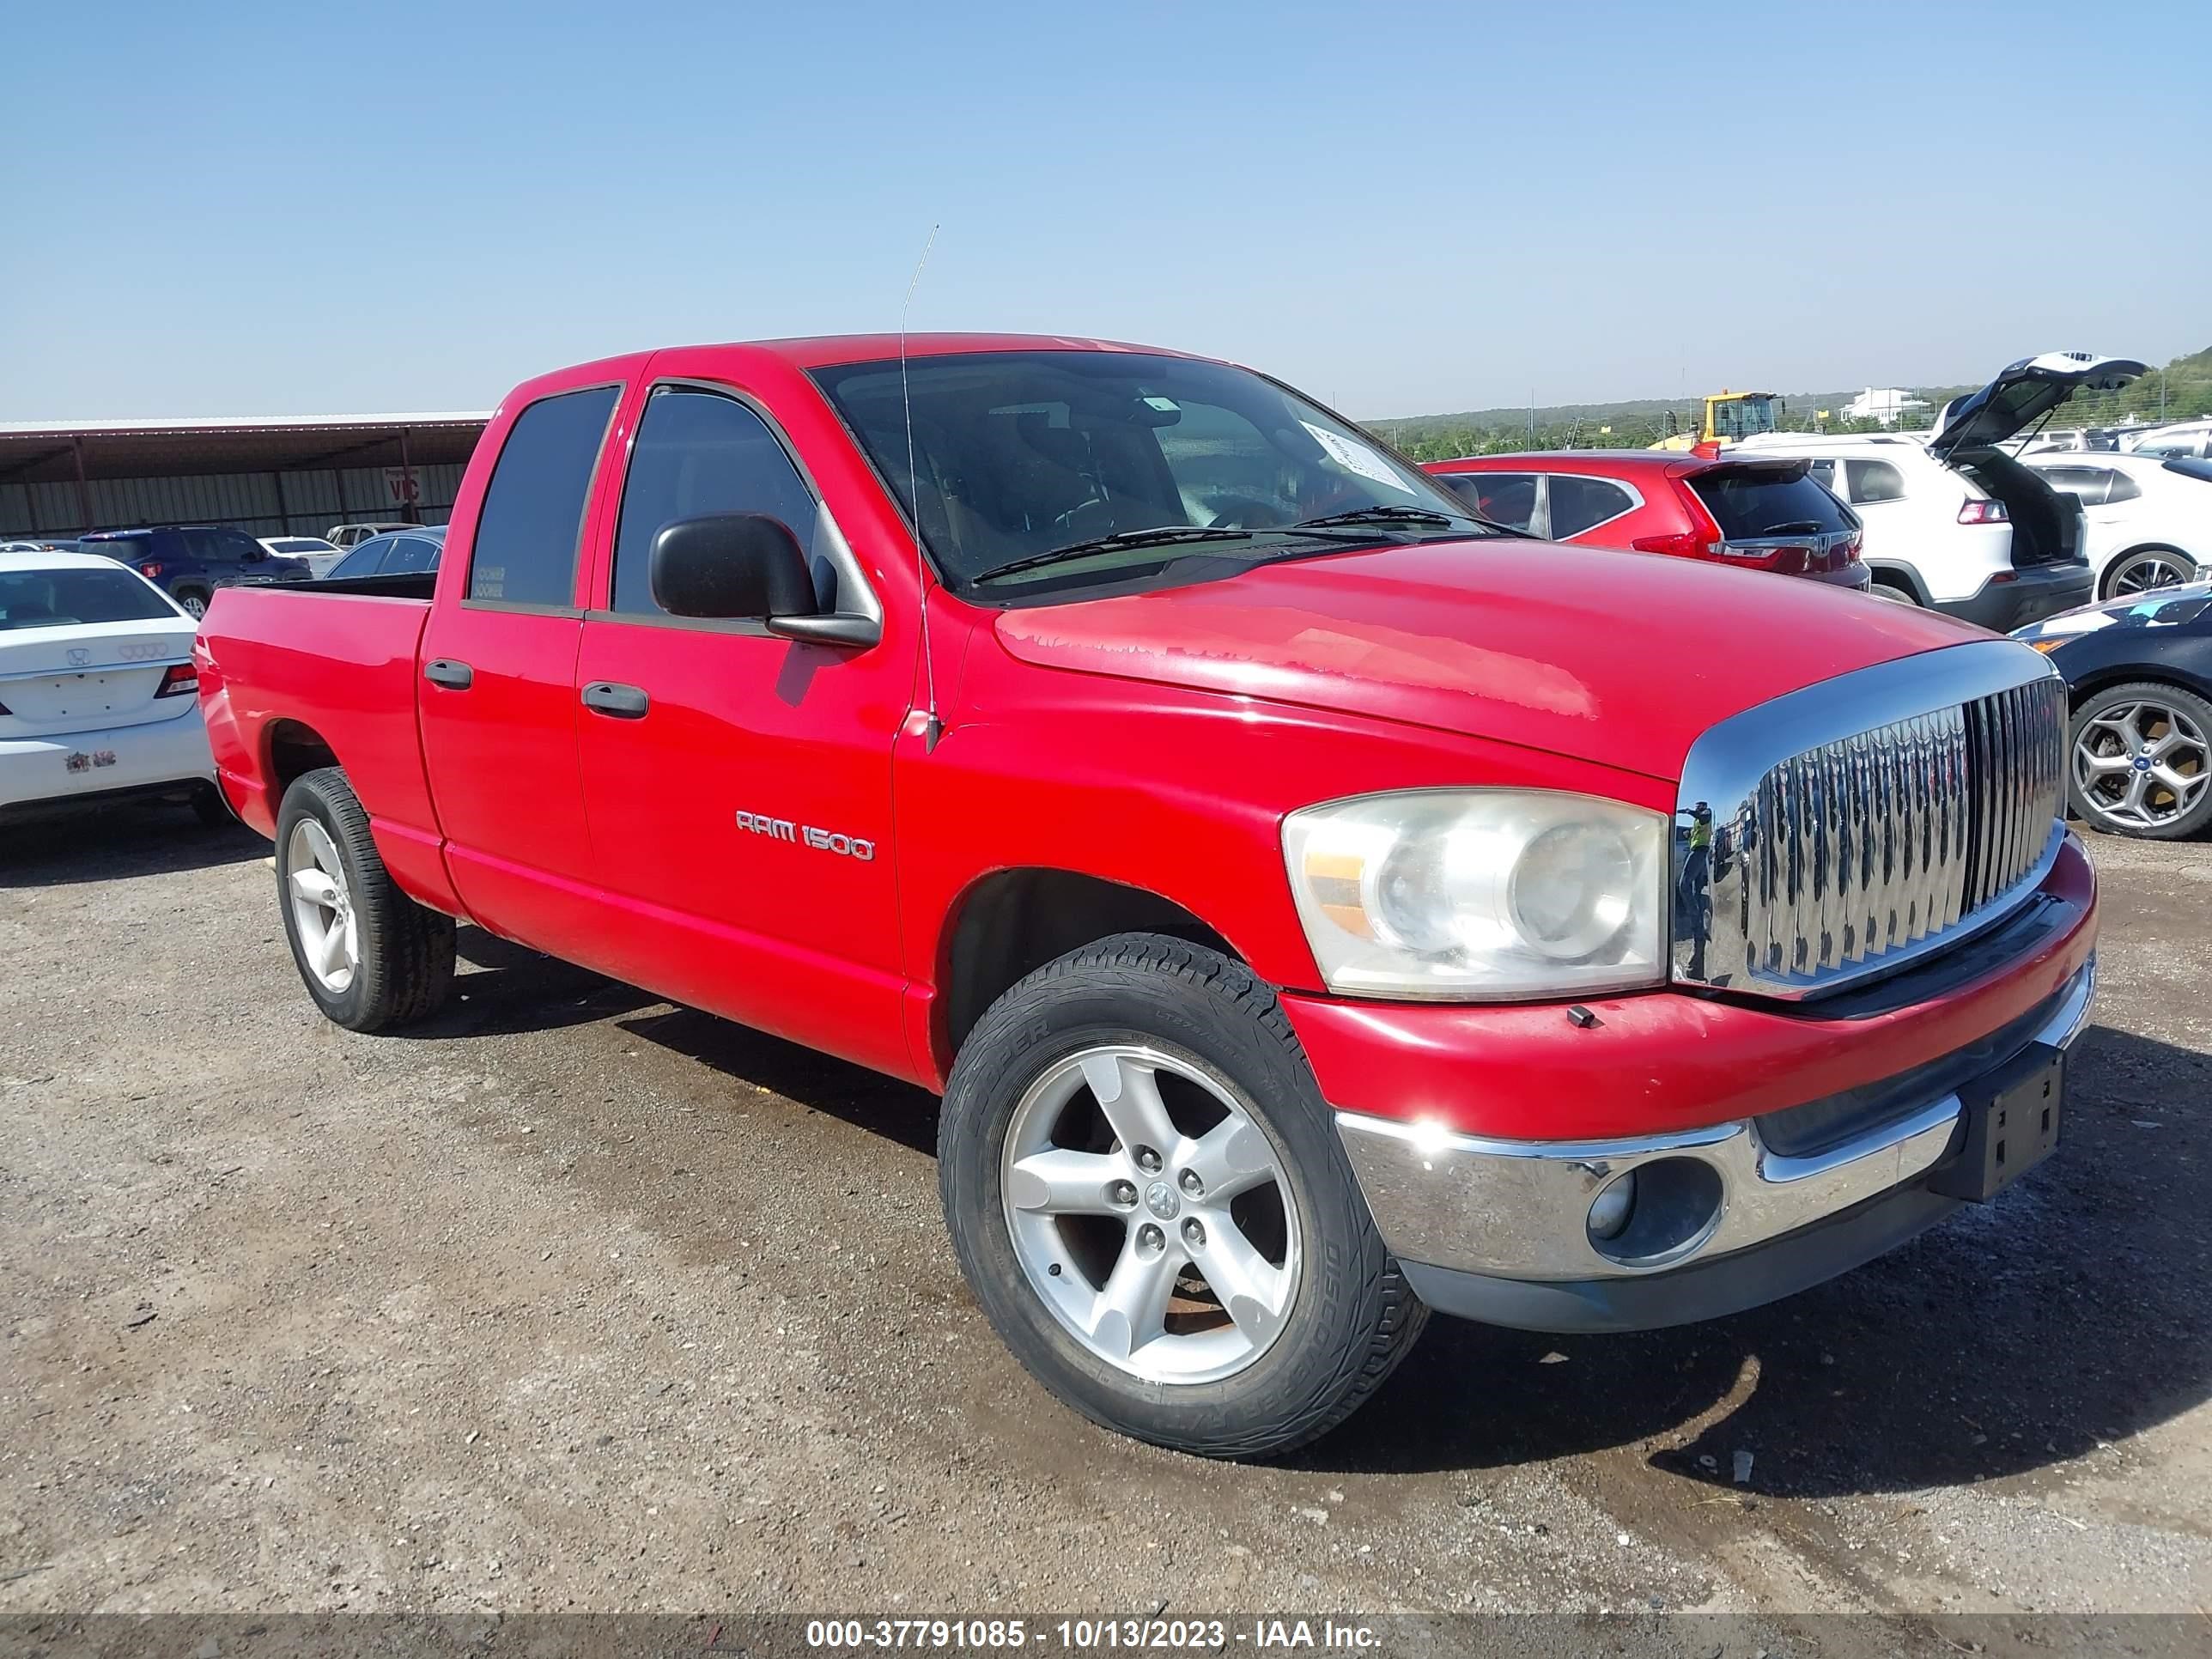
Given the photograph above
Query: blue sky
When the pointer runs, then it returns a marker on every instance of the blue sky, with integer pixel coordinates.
(263, 209)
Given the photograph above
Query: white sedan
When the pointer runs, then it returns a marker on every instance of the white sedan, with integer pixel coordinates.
(97, 696)
(2149, 518)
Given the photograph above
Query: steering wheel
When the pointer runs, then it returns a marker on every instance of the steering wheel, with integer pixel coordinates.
(1246, 512)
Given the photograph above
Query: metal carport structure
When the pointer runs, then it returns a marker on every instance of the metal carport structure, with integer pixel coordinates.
(267, 475)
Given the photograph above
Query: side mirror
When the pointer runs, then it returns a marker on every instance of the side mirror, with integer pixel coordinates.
(731, 566)
(746, 567)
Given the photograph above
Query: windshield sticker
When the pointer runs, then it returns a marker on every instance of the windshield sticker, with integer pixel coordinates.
(1354, 456)
(1165, 405)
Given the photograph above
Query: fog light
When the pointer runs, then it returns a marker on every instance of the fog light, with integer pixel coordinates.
(1610, 1213)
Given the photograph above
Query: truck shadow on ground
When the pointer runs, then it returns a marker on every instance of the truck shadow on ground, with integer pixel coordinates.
(2075, 1310)
(131, 838)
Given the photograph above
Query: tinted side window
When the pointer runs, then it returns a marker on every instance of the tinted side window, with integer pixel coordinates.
(410, 553)
(1874, 481)
(2122, 488)
(362, 560)
(1506, 498)
(203, 544)
(1824, 472)
(2089, 482)
(1580, 504)
(533, 511)
(696, 452)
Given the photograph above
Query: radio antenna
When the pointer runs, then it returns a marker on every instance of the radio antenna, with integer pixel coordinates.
(932, 727)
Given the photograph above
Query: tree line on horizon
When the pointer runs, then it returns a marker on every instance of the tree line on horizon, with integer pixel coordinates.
(2182, 390)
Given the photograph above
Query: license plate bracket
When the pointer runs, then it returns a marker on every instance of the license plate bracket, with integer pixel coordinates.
(2013, 1121)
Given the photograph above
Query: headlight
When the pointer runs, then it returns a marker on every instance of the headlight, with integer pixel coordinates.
(1479, 895)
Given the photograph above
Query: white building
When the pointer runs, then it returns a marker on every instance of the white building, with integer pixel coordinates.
(1882, 404)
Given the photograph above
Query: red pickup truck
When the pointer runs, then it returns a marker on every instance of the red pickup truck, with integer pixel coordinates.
(1314, 908)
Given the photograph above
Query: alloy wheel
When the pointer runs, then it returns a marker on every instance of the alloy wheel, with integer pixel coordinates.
(2147, 570)
(322, 905)
(1151, 1214)
(2142, 764)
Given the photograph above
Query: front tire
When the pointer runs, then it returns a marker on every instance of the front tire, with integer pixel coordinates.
(368, 955)
(1893, 592)
(2139, 762)
(194, 601)
(1147, 1196)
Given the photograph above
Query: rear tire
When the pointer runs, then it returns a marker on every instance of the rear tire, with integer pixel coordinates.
(2146, 569)
(213, 810)
(369, 956)
(1311, 1313)
(1892, 591)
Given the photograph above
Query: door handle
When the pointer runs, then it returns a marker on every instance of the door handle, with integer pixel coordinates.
(625, 702)
(454, 676)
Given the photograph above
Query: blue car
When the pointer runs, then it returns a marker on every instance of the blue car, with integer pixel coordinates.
(189, 561)
(395, 553)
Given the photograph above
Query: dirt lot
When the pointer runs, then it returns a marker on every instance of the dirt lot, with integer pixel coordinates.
(575, 1300)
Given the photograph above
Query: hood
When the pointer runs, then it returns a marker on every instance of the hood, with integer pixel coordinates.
(1619, 658)
(2021, 396)
(2163, 607)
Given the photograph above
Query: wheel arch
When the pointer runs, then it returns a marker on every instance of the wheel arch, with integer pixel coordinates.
(290, 749)
(1894, 575)
(2079, 690)
(1007, 924)
(2113, 561)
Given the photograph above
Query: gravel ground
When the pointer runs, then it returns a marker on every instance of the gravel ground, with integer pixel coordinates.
(574, 1300)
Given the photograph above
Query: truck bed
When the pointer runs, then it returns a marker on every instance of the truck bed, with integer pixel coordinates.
(290, 673)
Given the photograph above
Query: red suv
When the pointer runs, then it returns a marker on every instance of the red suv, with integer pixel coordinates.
(1762, 515)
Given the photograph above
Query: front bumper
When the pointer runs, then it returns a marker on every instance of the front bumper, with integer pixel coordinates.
(1498, 1230)
(148, 758)
(2020, 597)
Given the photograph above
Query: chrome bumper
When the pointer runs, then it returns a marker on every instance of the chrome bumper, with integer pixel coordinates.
(1519, 1209)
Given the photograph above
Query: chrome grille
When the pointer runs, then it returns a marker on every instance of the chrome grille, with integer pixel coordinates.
(1857, 852)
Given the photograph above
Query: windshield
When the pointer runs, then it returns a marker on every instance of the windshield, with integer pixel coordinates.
(1019, 455)
(59, 598)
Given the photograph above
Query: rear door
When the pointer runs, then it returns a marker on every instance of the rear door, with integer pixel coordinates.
(738, 785)
(497, 681)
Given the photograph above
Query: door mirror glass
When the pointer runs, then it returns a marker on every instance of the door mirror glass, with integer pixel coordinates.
(731, 566)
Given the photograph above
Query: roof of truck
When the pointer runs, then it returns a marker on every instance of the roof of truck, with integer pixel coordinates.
(822, 350)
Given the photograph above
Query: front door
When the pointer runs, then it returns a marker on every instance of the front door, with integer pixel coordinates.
(738, 785)
(498, 674)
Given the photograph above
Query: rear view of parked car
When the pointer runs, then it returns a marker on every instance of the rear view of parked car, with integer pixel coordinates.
(189, 561)
(1955, 521)
(1756, 515)
(98, 696)
(2149, 519)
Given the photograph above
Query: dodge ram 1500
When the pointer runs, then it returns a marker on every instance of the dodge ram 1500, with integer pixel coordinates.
(1314, 906)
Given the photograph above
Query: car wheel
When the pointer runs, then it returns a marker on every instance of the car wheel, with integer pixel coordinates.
(194, 601)
(369, 955)
(2140, 760)
(2142, 568)
(1893, 593)
(1148, 1196)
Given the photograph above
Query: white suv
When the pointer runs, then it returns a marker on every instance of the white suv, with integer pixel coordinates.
(1951, 521)
(2150, 519)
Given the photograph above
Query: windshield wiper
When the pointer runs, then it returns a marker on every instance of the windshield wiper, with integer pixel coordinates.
(1165, 535)
(1381, 512)
(1795, 527)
